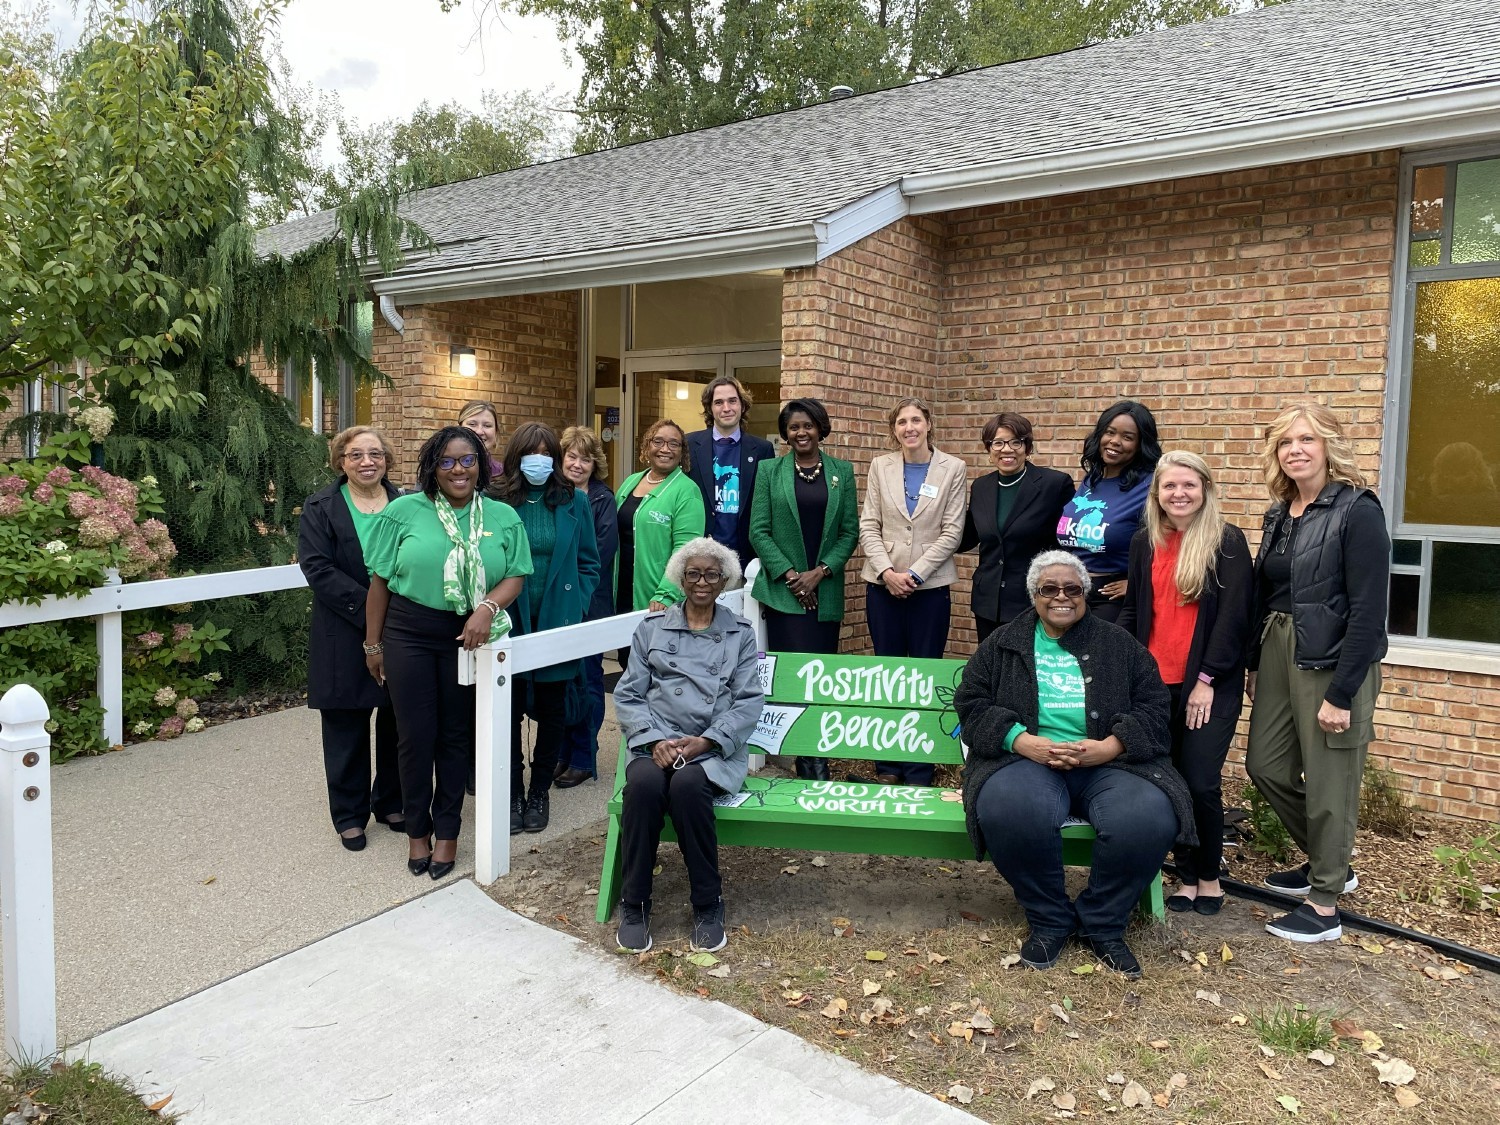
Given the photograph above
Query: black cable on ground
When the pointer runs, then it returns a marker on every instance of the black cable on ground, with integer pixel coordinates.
(1475, 957)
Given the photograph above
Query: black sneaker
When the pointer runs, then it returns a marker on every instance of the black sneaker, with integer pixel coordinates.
(517, 812)
(1116, 955)
(1041, 951)
(708, 928)
(534, 819)
(1297, 882)
(1306, 925)
(634, 934)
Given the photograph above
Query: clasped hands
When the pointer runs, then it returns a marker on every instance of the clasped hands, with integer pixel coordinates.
(804, 586)
(1068, 755)
(669, 751)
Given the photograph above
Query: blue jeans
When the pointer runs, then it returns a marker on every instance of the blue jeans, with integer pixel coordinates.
(1021, 810)
(580, 744)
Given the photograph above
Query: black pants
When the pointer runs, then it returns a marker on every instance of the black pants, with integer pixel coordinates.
(910, 626)
(434, 715)
(1199, 756)
(800, 632)
(687, 796)
(546, 707)
(1105, 609)
(346, 762)
(984, 626)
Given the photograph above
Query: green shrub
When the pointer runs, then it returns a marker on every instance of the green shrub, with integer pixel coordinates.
(1267, 834)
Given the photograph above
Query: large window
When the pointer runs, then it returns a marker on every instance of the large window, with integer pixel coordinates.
(1445, 584)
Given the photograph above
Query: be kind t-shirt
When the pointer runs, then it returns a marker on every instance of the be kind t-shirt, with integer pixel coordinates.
(1099, 522)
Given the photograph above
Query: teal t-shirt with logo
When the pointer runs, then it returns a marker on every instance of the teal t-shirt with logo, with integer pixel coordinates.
(1062, 713)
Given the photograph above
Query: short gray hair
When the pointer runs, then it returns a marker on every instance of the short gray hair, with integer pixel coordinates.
(1055, 558)
(704, 547)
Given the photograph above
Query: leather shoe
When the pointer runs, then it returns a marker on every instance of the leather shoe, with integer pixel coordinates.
(1208, 904)
(353, 843)
(813, 769)
(1180, 904)
(562, 768)
(570, 777)
(438, 870)
(1116, 955)
(396, 825)
(419, 866)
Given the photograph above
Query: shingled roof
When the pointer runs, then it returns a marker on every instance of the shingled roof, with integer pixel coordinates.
(1333, 75)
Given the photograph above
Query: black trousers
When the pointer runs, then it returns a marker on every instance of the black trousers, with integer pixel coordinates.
(687, 796)
(434, 715)
(984, 626)
(800, 632)
(1199, 756)
(1105, 609)
(911, 626)
(346, 762)
(547, 709)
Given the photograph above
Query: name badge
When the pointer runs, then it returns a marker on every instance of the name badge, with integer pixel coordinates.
(929, 490)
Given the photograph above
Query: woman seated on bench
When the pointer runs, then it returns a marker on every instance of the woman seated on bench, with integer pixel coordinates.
(1065, 714)
(687, 704)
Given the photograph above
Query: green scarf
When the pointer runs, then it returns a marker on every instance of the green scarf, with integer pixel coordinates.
(463, 569)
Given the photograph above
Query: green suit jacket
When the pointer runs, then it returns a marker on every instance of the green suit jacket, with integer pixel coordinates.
(776, 534)
(670, 516)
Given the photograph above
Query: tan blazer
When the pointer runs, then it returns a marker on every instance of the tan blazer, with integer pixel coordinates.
(923, 541)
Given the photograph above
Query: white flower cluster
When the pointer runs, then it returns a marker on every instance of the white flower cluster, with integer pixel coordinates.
(56, 547)
(97, 420)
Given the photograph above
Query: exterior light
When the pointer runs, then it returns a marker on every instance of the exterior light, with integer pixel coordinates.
(462, 361)
(682, 392)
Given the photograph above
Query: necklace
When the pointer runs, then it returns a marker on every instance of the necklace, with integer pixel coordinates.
(810, 475)
(651, 482)
(1015, 482)
(360, 502)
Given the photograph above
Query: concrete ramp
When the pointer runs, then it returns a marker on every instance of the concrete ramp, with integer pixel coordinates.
(453, 1009)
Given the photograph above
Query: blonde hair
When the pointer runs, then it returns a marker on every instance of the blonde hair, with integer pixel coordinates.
(1337, 448)
(581, 439)
(1198, 554)
(341, 441)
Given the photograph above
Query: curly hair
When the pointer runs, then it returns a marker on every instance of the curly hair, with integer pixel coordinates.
(651, 432)
(706, 548)
(1147, 450)
(432, 453)
(586, 443)
(707, 398)
(1342, 466)
(1056, 558)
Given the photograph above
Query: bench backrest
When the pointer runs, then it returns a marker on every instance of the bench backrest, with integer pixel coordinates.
(871, 708)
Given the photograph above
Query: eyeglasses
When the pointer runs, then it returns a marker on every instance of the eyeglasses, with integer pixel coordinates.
(695, 576)
(1001, 444)
(1052, 589)
(666, 443)
(467, 461)
(358, 455)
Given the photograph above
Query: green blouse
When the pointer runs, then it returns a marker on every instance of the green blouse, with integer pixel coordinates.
(364, 523)
(408, 546)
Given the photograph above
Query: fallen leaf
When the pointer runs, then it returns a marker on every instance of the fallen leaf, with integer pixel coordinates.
(1293, 971)
(842, 927)
(970, 915)
(1083, 970)
(1201, 958)
(870, 987)
(936, 959)
(961, 1031)
(984, 939)
(1115, 1079)
(819, 861)
(1010, 960)
(703, 960)
(1135, 1095)
(1238, 1019)
(883, 1006)
(719, 971)
(1289, 1103)
(925, 1009)
(1178, 1081)
(836, 1008)
(980, 1021)
(1407, 1099)
(1058, 1011)
(1064, 1101)
(1446, 972)
(1269, 1071)
(1394, 1071)
(1321, 1057)
(961, 1094)
(1347, 1029)
(206, 882)
(845, 1032)
(1211, 997)
(1039, 1024)
(791, 869)
(701, 991)
(1371, 1042)
(1371, 946)
(1270, 1054)
(1160, 1044)
(1162, 1100)
(157, 1107)
(874, 955)
(1226, 955)
(1043, 1084)
(657, 870)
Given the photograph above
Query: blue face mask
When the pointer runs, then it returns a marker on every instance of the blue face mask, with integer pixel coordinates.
(536, 467)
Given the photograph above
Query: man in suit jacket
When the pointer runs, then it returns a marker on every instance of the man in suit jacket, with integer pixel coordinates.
(724, 460)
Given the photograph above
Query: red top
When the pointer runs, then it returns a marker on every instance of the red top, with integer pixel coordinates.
(1172, 624)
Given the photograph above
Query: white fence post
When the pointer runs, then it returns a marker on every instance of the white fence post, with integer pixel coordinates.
(26, 875)
(492, 781)
(109, 638)
(757, 621)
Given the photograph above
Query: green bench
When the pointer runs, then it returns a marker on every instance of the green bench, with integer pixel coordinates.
(865, 708)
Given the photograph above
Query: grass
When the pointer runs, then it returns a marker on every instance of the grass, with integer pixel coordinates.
(1289, 1029)
(76, 1093)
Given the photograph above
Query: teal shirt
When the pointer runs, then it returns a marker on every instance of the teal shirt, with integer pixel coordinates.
(408, 547)
(541, 535)
(364, 523)
(1062, 714)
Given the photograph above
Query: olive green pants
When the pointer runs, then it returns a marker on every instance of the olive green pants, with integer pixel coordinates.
(1311, 777)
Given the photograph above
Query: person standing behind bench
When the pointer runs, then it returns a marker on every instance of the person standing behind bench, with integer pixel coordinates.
(331, 538)
(804, 526)
(660, 510)
(687, 704)
(725, 463)
(1099, 522)
(1187, 599)
(1322, 577)
(1012, 517)
(565, 570)
(480, 416)
(445, 562)
(913, 521)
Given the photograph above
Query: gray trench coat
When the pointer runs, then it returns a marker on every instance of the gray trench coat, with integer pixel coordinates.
(685, 684)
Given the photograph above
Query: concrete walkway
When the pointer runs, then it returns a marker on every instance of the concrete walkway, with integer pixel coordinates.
(451, 1008)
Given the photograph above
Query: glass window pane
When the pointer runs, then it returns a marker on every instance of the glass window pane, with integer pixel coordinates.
(1453, 435)
(1428, 252)
(1406, 552)
(1427, 200)
(742, 308)
(1465, 592)
(763, 382)
(363, 325)
(1476, 212)
(1405, 590)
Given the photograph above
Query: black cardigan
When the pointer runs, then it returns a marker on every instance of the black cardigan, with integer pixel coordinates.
(1122, 692)
(1219, 638)
(330, 556)
(999, 592)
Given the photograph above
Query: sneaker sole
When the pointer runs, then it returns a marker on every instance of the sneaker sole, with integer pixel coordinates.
(1041, 966)
(1305, 890)
(1332, 934)
(696, 948)
(625, 949)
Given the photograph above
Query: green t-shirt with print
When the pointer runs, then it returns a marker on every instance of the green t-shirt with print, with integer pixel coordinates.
(1062, 713)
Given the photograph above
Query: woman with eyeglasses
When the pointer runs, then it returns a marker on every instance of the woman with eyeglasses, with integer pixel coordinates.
(1065, 714)
(1188, 601)
(1102, 518)
(660, 509)
(1012, 517)
(331, 542)
(1318, 632)
(445, 562)
(482, 417)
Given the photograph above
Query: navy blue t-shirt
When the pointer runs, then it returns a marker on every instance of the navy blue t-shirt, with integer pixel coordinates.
(1099, 522)
(726, 513)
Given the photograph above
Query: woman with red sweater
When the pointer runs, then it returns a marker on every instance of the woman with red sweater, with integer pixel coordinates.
(1187, 599)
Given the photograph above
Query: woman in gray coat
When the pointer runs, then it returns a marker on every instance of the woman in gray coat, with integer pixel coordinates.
(687, 705)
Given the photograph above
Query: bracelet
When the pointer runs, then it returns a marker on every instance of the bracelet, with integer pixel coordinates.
(491, 606)
(1205, 678)
(374, 650)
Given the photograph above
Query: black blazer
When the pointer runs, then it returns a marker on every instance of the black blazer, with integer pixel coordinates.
(1218, 645)
(1005, 552)
(330, 556)
(753, 451)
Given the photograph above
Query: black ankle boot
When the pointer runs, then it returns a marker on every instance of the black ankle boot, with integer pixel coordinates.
(813, 769)
(534, 817)
(517, 813)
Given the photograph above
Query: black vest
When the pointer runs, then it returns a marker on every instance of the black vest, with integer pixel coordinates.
(1320, 601)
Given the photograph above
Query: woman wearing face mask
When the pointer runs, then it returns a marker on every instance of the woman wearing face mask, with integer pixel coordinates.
(565, 570)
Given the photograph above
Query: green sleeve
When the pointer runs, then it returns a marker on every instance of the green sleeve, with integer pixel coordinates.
(688, 521)
(517, 549)
(1010, 739)
(380, 551)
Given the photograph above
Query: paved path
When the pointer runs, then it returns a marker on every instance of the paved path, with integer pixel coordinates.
(516, 1022)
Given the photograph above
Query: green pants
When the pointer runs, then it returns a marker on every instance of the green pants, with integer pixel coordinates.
(1309, 776)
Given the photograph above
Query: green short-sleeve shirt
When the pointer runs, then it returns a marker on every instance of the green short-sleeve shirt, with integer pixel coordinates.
(408, 546)
(364, 523)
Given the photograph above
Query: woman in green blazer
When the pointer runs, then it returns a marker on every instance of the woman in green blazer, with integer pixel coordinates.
(661, 508)
(804, 524)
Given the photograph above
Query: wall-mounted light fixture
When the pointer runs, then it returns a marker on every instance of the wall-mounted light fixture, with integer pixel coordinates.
(682, 391)
(462, 361)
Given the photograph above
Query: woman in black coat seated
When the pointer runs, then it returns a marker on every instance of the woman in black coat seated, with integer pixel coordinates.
(1012, 518)
(330, 550)
(1064, 714)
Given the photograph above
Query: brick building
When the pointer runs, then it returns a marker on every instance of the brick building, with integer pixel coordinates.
(1217, 219)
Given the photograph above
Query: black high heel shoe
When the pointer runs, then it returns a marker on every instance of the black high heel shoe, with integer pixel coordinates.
(420, 866)
(438, 868)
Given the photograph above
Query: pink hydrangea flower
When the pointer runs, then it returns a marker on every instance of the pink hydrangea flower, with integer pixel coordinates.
(94, 475)
(96, 531)
(181, 632)
(59, 476)
(12, 486)
(156, 532)
(187, 708)
(9, 505)
(165, 697)
(171, 728)
(152, 639)
(42, 493)
(81, 505)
